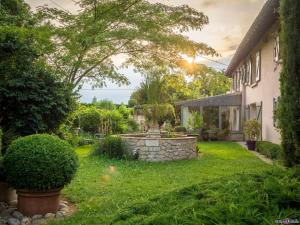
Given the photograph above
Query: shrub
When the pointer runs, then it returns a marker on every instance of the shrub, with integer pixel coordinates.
(113, 147)
(1, 135)
(32, 99)
(2, 172)
(269, 149)
(133, 126)
(195, 121)
(289, 107)
(252, 129)
(180, 129)
(40, 162)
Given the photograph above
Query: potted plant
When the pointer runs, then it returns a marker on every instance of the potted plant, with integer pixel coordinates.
(204, 134)
(39, 166)
(252, 131)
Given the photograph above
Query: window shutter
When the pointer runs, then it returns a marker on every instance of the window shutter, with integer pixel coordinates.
(249, 71)
(277, 49)
(238, 80)
(258, 65)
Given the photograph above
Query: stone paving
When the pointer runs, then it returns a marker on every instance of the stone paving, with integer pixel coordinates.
(9, 215)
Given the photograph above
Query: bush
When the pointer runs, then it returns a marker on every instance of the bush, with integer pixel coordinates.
(40, 162)
(252, 129)
(2, 172)
(180, 129)
(113, 147)
(32, 98)
(289, 107)
(133, 126)
(1, 135)
(269, 149)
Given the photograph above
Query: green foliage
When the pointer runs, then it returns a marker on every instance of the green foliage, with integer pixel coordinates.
(180, 129)
(158, 113)
(113, 147)
(133, 126)
(2, 171)
(144, 32)
(31, 98)
(105, 104)
(1, 136)
(239, 199)
(93, 120)
(252, 129)
(89, 119)
(15, 12)
(269, 149)
(289, 105)
(195, 120)
(202, 82)
(209, 82)
(40, 162)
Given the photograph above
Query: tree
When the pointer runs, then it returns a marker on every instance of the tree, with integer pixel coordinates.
(15, 12)
(209, 82)
(203, 82)
(289, 107)
(141, 32)
(105, 104)
(32, 100)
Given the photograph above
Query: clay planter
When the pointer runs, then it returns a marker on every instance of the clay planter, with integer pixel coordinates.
(38, 203)
(251, 145)
(7, 193)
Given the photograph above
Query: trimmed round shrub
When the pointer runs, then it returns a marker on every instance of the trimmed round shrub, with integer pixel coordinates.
(40, 162)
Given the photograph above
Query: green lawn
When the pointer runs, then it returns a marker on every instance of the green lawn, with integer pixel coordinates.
(225, 180)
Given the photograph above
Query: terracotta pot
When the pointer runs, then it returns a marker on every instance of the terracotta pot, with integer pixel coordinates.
(251, 145)
(32, 203)
(7, 193)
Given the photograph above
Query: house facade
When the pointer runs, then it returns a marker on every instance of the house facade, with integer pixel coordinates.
(255, 71)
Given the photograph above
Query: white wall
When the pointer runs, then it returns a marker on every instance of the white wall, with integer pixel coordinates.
(266, 89)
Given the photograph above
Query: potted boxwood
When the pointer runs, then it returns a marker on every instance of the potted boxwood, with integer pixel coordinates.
(252, 130)
(39, 166)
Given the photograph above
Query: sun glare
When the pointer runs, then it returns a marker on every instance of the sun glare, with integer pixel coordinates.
(189, 59)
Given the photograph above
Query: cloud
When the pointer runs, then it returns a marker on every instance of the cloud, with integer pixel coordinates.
(208, 3)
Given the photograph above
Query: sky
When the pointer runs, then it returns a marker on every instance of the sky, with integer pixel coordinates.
(229, 20)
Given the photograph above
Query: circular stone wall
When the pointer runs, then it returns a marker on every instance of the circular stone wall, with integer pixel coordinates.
(155, 149)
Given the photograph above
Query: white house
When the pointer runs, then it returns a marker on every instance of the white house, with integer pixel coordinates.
(255, 70)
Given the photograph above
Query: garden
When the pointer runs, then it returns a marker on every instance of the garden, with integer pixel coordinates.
(67, 162)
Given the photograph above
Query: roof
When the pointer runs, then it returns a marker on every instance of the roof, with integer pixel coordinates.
(265, 19)
(232, 99)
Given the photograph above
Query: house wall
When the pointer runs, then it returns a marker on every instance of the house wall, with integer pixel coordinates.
(265, 90)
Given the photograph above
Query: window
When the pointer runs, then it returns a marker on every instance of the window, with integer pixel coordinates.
(258, 66)
(277, 49)
(275, 110)
(238, 81)
(249, 71)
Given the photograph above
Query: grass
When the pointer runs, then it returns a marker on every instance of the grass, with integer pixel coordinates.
(180, 192)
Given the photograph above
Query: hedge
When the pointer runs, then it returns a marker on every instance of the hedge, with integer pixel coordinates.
(269, 149)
